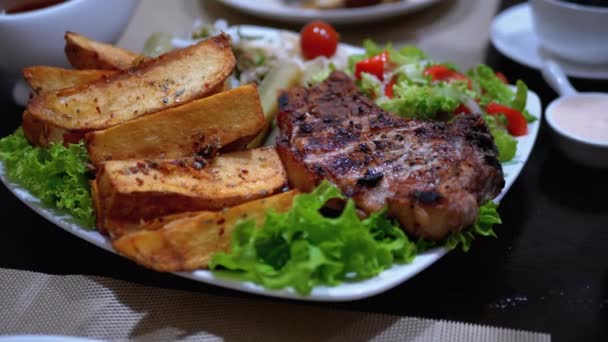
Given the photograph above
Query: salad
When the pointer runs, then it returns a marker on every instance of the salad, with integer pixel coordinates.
(305, 247)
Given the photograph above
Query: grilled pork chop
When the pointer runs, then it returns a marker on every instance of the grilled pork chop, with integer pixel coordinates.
(432, 175)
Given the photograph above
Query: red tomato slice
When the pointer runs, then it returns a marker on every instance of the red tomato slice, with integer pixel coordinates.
(318, 38)
(388, 89)
(374, 65)
(517, 124)
(443, 73)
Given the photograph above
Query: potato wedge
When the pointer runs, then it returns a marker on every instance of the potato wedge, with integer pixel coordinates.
(86, 53)
(40, 133)
(134, 190)
(186, 242)
(173, 79)
(44, 79)
(229, 119)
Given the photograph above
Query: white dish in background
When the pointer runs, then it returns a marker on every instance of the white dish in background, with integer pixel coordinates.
(279, 10)
(512, 34)
(582, 40)
(386, 280)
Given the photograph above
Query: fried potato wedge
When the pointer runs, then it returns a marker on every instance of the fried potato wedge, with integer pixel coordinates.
(40, 133)
(86, 53)
(229, 119)
(135, 190)
(44, 79)
(170, 80)
(186, 242)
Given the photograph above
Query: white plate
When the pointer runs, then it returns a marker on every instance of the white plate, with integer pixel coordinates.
(512, 34)
(279, 10)
(345, 292)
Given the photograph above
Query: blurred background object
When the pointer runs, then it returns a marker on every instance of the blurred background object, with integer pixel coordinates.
(583, 39)
(446, 30)
(32, 32)
(35, 37)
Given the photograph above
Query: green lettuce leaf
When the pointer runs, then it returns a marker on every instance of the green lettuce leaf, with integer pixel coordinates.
(419, 101)
(322, 75)
(489, 87)
(370, 85)
(303, 248)
(57, 175)
(488, 216)
(405, 55)
(505, 142)
(521, 96)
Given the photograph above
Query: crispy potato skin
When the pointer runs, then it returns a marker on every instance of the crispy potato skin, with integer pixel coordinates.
(134, 190)
(170, 80)
(186, 242)
(86, 53)
(228, 119)
(44, 79)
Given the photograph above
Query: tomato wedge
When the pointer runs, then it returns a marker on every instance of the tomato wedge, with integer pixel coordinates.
(443, 73)
(517, 124)
(388, 89)
(374, 65)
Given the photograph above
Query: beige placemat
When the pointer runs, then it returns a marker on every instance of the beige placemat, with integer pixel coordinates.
(453, 30)
(109, 309)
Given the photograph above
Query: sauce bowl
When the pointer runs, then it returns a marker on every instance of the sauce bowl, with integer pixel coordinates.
(582, 148)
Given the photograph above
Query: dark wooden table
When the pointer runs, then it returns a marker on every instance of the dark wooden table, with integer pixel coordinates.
(547, 271)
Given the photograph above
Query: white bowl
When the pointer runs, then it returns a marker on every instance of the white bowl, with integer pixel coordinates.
(575, 32)
(37, 37)
(590, 152)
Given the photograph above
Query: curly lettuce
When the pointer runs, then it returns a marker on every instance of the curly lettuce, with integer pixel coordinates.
(57, 175)
(486, 219)
(420, 101)
(303, 248)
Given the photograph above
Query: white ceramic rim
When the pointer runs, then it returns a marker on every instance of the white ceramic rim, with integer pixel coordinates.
(497, 32)
(337, 16)
(577, 7)
(42, 11)
(549, 115)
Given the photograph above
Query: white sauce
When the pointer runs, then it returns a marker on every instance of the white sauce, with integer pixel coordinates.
(583, 116)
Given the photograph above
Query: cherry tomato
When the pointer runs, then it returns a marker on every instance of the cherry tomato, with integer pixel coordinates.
(318, 38)
(443, 73)
(374, 65)
(517, 124)
(502, 77)
(388, 89)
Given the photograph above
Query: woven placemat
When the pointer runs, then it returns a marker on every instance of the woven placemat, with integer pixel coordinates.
(109, 309)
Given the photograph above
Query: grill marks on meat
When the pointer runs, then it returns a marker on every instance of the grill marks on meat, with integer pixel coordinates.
(432, 175)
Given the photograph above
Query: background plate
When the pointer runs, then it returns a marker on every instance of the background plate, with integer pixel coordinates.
(279, 10)
(345, 292)
(513, 35)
